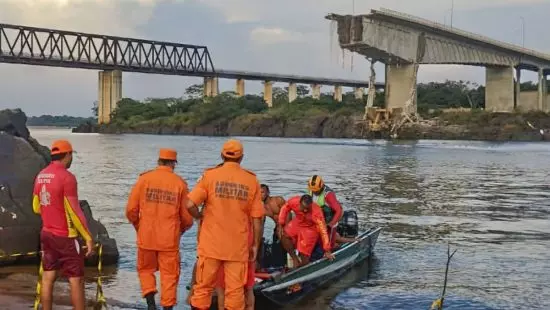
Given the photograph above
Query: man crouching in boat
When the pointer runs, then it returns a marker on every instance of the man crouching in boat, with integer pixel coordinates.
(302, 232)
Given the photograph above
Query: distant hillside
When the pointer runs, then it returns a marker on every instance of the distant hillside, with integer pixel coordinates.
(58, 121)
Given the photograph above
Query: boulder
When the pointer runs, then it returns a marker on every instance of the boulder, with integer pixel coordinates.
(21, 159)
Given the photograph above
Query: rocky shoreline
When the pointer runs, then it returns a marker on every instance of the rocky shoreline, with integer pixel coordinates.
(450, 126)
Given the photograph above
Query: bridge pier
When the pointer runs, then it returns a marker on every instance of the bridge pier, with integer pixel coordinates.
(109, 94)
(400, 80)
(517, 93)
(240, 87)
(542, 92)
(292, 92)
(338, 93)
(359, 93)
(316, 91)
(210, 86)
(499, 89)
(268, 93)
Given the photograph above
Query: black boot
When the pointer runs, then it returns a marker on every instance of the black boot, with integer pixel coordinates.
(150, 298)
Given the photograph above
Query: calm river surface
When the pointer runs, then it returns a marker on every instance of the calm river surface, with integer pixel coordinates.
(491, 201)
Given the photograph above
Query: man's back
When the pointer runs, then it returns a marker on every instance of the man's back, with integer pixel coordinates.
(158, 201)
(232, 196)
(303, 218)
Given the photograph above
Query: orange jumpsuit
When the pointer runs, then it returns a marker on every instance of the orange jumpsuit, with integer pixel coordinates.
(232, 197)
(157, 208)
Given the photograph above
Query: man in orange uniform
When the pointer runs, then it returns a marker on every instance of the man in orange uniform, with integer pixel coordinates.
(303, 231)
(55, 198)
(157, 208)
(232, 199)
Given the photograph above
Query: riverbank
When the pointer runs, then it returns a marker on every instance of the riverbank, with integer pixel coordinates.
(346, 123)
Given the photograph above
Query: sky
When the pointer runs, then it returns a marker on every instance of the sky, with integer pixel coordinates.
(282, 36)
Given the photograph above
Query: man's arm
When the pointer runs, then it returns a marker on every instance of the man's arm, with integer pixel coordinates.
(186, 219)
(257, 214)
(35, 197)
(319, 220)
(197, 196)
(70, 199)
(283, 214)
(132, 207)
(336, 207)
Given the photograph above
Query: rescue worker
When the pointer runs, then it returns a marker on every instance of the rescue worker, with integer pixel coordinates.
(55, 198)
(326, 199)
(302, 232)
(273, 205)
(157, 207)
(232, 199)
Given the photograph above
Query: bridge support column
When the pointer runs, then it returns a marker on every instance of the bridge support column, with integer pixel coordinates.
(268, 93)
(338, 93)
(316, 91)
(543, 92)
(517, 92)
(292, 92)
(210, 86)
(109, 94)
(499, 89)
(359, 93)
(240, 87)
(400, 81)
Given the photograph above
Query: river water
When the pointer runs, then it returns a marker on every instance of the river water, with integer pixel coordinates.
(490, 201)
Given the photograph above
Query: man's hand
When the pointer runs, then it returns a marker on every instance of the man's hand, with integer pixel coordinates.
(253, 253)
(329, 255)
(89, 248)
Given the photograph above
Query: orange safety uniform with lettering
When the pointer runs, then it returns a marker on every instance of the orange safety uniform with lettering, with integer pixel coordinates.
(232, 197)
(305, 228)
(157, 208)
(55, 198)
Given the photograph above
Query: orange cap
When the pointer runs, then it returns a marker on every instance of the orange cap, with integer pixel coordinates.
(168, 154)
(232, 149)
(61, 146)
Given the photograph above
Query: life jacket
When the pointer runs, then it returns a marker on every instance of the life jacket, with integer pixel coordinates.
(327, 210)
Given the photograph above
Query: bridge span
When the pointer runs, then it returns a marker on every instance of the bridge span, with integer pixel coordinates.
(403, 42)
(113, 55)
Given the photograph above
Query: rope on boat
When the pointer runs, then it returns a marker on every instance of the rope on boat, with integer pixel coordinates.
(438, 303)
(100, 298)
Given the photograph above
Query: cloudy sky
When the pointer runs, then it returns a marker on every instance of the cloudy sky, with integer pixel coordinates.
(281, 36)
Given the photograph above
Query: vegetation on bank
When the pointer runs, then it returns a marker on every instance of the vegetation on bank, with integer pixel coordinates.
(194, 110)
(58, 121)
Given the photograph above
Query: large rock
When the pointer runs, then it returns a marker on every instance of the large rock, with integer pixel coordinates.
(21, 158)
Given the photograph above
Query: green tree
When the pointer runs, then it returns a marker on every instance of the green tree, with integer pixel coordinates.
(194, 91)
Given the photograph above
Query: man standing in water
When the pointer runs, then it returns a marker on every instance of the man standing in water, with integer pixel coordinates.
(55, 198)
(157, 208)
(232, 199)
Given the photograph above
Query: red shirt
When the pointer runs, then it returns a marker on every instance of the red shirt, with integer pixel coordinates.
(314, 218)
(55, 198)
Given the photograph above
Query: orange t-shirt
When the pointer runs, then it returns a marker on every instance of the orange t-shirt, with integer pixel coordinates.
(232, 197)
(157, 207)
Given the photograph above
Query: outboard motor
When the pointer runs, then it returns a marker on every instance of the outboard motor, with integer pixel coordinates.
(349, 224)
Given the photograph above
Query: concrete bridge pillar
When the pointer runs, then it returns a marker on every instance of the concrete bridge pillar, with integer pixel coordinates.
(542, 92)
(268, 93)
(292, 92)
(210, 86)
(316, 91)
(499, 89)
(359, 93)
(400, 81)
(338, 93)
(109, 94)
(518, 89)
(240, 87)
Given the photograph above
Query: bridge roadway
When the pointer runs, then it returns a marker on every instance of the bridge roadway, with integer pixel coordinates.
(114, 55)
(403, 42)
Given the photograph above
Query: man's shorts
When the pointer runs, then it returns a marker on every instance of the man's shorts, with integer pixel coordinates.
(62, 253)
(250, 278)
(304, 238)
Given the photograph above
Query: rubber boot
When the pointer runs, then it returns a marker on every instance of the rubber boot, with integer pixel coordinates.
(150, 298)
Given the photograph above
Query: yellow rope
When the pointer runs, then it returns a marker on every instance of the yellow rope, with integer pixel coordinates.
(38, 286)
(100, 298)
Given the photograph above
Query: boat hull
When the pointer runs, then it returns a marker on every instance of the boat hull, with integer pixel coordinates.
(291, 287)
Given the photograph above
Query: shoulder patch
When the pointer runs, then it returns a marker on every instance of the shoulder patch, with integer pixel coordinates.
(252, 173)
(146, 172)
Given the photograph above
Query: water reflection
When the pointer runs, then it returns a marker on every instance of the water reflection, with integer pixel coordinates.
(489, 200)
